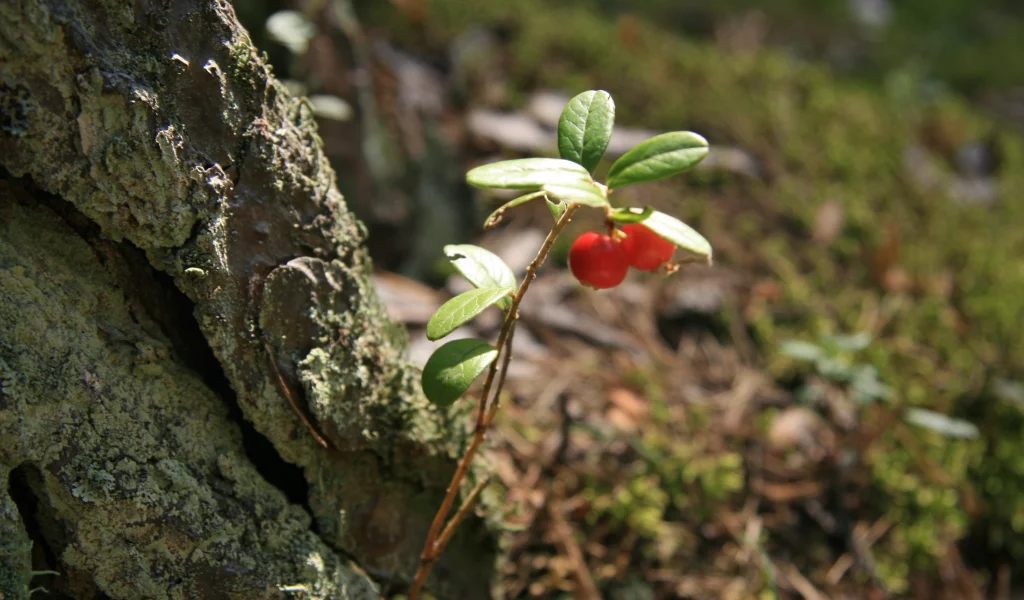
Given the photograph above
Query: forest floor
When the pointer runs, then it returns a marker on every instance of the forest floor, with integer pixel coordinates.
(833, 410)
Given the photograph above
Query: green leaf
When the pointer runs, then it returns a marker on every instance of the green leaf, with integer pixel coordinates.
(526, 173)
(938, 422)
(482, 268)
(849, 343)
(451, 369)
(586, 127)
(462, 308)
(801, 350)
(660, 157)
(496, 216)
(866, 386)
(835, 369)
(625, 216)
(577, 192)
(679, 233)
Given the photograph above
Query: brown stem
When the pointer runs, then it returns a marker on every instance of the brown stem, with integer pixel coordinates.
(484, 416)
(463, 510)
(507, 358)
(449, 529)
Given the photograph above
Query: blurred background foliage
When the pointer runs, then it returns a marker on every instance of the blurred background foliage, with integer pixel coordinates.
(843, 412)
(966, 45)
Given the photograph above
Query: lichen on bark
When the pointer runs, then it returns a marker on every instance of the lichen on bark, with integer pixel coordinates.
(133, 454)
(155, 126)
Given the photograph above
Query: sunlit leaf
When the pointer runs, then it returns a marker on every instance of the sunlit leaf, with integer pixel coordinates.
(625, 216)
(835, 368)
(585, 128)
(850, 343)
(482, 268)
(526, 173)
(866, 386)
(461, 309)
(940, 423)
(660, 157)
(577, 192)
(291, 29)
(451, 369)
(801, 350)
(326, 106)
(679, 233)
(1008, 390)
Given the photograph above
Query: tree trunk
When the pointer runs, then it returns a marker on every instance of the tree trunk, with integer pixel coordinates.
(175, 262)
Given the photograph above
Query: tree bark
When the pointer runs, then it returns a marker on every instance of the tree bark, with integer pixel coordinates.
(171, 240)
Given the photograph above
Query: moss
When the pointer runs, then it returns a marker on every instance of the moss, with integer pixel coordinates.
(962, 43)
(638, 504)
(927, 506)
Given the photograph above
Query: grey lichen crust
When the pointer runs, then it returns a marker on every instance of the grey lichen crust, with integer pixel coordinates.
(158, 122)
(148, 490)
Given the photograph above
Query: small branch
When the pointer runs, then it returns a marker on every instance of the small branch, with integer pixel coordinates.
(460, 514)
(800, 583)
(587, 587)
(496, 400)
(484, 416)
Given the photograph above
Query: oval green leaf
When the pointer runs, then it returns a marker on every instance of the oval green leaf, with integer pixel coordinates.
(938, 422)
(577, 192)
(679, 233)
(585, 128)
(801, 350)
(526, 173)
(461, 309)
(660, 157)
(625, 216)
(496, 216)
(482, 268)
(451, 369)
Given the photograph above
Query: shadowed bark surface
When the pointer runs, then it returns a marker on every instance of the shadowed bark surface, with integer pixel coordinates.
(170, 237)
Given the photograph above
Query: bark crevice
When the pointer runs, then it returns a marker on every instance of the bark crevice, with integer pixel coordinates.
(28, 501)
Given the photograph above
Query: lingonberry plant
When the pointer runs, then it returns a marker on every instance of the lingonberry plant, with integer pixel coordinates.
(647, 240)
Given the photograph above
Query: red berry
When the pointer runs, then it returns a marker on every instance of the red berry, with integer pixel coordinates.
(645, 249)
(598, 261)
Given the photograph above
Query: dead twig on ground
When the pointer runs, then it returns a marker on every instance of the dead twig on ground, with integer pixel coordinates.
(587, 589)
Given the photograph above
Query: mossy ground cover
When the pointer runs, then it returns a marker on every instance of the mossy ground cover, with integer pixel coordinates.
(934, 280)
(970, 45)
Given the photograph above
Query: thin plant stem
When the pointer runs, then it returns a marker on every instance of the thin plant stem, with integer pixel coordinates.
(484, 416)
(507, 358)
(463, 510)
(449, 529)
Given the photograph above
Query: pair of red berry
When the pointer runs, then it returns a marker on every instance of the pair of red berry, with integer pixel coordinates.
(601, 262)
